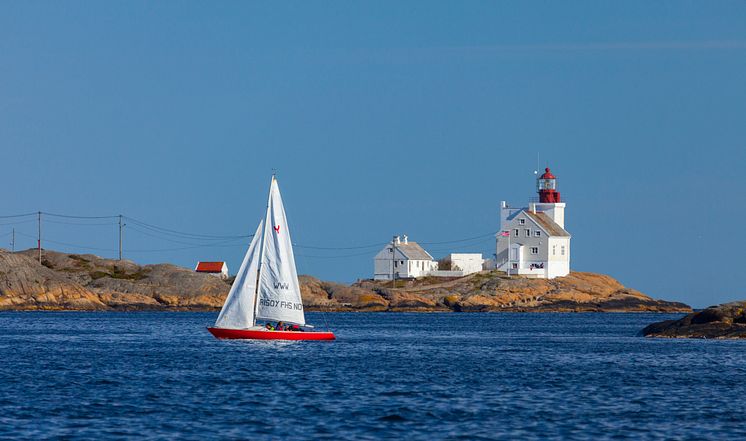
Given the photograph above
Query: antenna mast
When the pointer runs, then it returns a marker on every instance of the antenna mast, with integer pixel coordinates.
(38, 237)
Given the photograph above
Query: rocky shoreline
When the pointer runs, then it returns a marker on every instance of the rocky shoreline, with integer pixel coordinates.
(91, 283)
(726, 321)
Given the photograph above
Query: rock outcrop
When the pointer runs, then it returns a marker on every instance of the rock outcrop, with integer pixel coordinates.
(88, 282)
(723, 321)
(495, 291)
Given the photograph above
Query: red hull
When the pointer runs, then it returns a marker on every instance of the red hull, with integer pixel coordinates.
(270, 335)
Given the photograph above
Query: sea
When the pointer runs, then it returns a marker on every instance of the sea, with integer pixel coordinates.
(409, 376)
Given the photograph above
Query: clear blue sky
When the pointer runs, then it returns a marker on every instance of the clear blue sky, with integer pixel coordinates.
(383, 118)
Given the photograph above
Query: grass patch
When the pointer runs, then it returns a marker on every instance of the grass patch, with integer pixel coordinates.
(119, 273)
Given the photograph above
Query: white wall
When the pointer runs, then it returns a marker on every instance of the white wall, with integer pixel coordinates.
(469, 263)
(555, 211)
(549, 248)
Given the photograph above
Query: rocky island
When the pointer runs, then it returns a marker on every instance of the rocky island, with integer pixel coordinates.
(722, 321)
(87, 282)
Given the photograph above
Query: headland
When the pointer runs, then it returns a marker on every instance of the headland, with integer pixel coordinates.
(87, 282)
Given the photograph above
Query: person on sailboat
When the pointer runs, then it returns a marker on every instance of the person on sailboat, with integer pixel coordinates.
(280, 326)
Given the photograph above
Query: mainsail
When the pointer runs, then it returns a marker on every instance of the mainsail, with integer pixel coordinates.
(279, 292)
(238, 309)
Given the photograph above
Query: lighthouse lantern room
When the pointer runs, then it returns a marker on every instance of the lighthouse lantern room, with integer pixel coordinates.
(547, 188)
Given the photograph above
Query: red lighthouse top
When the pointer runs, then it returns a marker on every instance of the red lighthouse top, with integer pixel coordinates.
(547, 187)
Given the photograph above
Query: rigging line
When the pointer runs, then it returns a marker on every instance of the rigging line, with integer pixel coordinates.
(18, 215)
(193, 235)
(77, 217)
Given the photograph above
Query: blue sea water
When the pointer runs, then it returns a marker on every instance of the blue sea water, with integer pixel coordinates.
(69, 375)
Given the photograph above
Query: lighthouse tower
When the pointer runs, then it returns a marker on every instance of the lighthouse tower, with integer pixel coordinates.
(549, 198)
(532, 241)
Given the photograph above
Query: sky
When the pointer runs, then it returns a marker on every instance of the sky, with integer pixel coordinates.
(380, 118)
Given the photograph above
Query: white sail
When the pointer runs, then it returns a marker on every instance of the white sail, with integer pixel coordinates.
(238, 309)
(279, 291)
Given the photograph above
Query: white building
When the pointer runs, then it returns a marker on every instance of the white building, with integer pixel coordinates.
(532, 241)
(219, 269)
(467, 263)
(404, 259)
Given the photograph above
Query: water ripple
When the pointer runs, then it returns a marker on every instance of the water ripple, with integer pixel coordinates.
(389, 376)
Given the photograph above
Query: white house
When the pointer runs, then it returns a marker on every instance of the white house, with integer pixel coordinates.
(532, 241)
(404, 259)
(219, 269)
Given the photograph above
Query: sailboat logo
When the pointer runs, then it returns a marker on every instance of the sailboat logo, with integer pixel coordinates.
(277, 229)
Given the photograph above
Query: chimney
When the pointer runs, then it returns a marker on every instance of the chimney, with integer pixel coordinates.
(532, 207)
(406, 240)
(397, 240)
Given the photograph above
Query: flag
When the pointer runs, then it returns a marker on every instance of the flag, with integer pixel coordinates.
(505, 233)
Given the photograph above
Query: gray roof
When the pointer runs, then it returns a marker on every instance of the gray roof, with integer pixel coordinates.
(413, 251)
(547, 223)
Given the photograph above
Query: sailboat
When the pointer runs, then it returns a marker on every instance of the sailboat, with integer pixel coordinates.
(266, 286)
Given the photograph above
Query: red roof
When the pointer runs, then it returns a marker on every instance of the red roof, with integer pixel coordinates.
(547, 174)
(209, 267)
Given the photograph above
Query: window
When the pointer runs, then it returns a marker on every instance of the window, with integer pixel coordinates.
(537, 233)
(528, 232)
(534, 250)
(515, 232)
(554, 250)
(515, 266)
(562, 250)
(521, 221)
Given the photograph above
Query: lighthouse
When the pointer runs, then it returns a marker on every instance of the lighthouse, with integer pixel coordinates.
(532, 241)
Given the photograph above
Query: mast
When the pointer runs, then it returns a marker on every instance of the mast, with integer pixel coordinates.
(261, 254)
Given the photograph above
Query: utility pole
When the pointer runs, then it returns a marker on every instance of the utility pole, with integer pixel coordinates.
(38, 237)
(393, 262)
(120, 236)
(13, 241)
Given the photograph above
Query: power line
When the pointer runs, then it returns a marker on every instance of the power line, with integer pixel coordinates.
(197, 240)
(182, 233)
(80, 223)
(17, 215)
(341, 248)
(168, 239)
(18, 222)
(459, 240)
(76, 217)
(336, 256)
